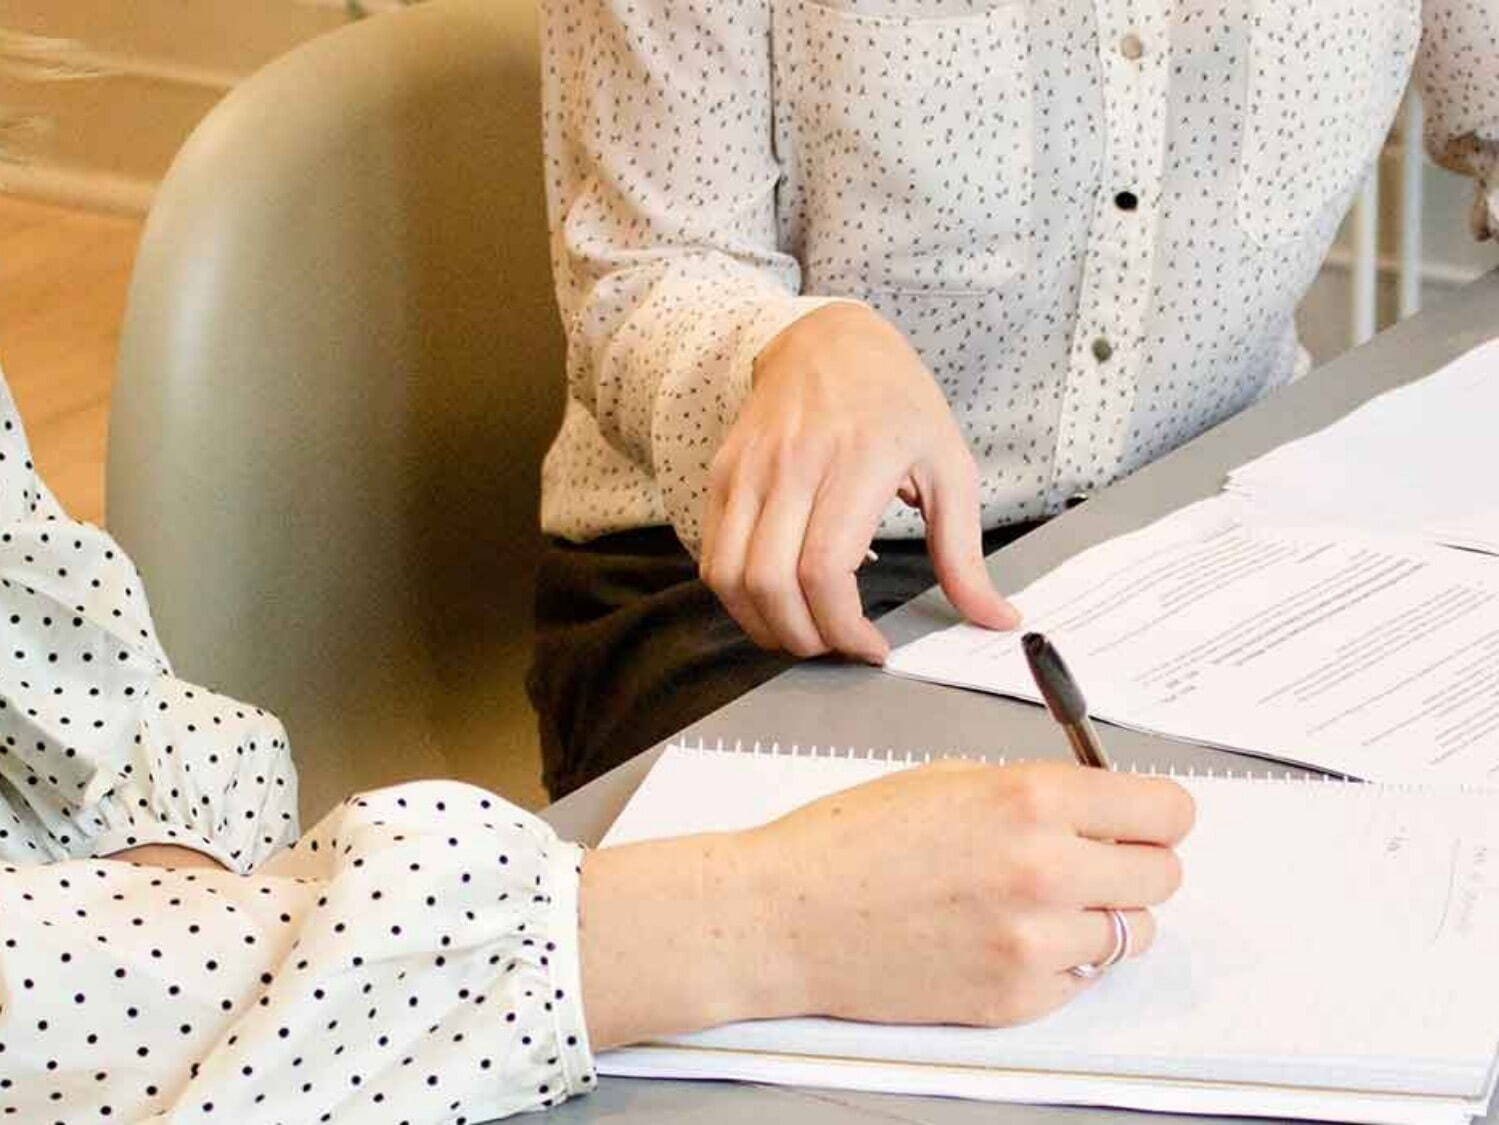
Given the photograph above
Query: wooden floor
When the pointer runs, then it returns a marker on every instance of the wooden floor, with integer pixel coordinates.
(63, 276)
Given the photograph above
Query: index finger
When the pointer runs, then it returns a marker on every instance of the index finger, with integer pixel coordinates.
(847, 514)
(1128, 808)
(1105, 805)
(955, 540)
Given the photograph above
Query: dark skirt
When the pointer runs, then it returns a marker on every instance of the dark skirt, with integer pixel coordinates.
(631, 647)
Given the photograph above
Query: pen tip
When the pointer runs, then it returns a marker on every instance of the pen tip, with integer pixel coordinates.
(1033, 643)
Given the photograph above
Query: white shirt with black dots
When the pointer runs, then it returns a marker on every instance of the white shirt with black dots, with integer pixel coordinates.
(1093, 220)
(413, 958)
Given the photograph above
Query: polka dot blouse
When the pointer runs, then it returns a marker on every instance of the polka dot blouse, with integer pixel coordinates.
(1092, 218)
(411, 959)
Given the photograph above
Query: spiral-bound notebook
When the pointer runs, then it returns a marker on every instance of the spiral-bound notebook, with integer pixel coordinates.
(1333, 955)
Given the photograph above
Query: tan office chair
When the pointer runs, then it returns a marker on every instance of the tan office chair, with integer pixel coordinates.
(340, 367)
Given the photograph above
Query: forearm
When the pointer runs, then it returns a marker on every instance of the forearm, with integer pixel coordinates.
(168, 856)
(682, 934)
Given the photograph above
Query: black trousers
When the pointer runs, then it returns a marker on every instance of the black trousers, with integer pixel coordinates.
(631, 646)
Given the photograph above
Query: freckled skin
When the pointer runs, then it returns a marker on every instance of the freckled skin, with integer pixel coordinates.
(973, 889)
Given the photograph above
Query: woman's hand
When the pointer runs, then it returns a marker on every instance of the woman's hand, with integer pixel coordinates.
(963, 893)
(956, 893)
(843, 417)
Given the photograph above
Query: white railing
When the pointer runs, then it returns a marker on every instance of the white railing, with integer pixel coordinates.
(1364, 310)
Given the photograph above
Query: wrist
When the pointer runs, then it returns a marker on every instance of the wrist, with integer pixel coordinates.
(775, 977)
(682, 934)
(816, 330)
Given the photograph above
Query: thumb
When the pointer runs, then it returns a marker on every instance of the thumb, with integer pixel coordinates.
(955, 541)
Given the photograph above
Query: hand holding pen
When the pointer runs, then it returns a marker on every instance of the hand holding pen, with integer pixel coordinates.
(1064, 699)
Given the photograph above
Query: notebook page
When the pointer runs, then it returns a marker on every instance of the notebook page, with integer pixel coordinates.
(1327, 935)
(1368, 656)
(698, 789)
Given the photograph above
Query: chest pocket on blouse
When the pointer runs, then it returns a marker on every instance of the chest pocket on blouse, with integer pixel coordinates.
(1325, 79)
(910, 143)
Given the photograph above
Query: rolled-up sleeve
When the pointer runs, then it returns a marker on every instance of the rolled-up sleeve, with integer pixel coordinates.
(661, 191)
(102, 748)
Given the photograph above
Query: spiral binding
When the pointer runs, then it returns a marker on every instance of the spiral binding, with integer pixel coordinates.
(775, 749)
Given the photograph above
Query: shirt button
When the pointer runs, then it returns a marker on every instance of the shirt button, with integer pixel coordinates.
(1102, 349)
(1131, 47)
(1126, 201)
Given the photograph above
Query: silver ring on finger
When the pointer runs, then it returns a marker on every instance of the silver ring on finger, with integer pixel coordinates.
(1090, 969)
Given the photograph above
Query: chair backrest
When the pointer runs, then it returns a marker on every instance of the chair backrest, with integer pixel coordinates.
(340, 367)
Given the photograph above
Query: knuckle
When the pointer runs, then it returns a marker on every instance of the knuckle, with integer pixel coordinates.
(866, 446)
(816, 569)
(1019, 944)
(1171, 875)
(723, 580)
(762, 582)
(795, 458)
(1030, 797)
(1033, 882)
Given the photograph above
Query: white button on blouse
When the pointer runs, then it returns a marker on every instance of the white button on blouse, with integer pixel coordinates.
(718, 169)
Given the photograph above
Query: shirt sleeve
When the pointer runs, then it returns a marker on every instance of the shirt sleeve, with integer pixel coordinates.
(414, 957)
(1457, 70)
(101, 747)
(661, 192)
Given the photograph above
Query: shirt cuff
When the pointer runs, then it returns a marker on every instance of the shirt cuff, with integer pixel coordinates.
(142, 834)
(569, 1028)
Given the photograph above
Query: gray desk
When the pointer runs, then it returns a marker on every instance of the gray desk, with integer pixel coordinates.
(848, 705)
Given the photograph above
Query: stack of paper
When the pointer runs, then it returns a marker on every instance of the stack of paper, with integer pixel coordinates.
(1308, 614)
(1369, 656)
(1417, 460)
(1330, 956)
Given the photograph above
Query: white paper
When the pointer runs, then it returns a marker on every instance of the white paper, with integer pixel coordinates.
(1157, 1095)
(1418, 460)
(1331, 949)
(1370, 656)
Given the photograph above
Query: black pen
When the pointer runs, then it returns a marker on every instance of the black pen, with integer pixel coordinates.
(1064, 699)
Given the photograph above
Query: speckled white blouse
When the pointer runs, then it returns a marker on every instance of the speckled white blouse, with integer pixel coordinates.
(1093, 218)
(412, 959)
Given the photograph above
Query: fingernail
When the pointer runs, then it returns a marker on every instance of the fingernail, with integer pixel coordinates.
(1006, 619)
